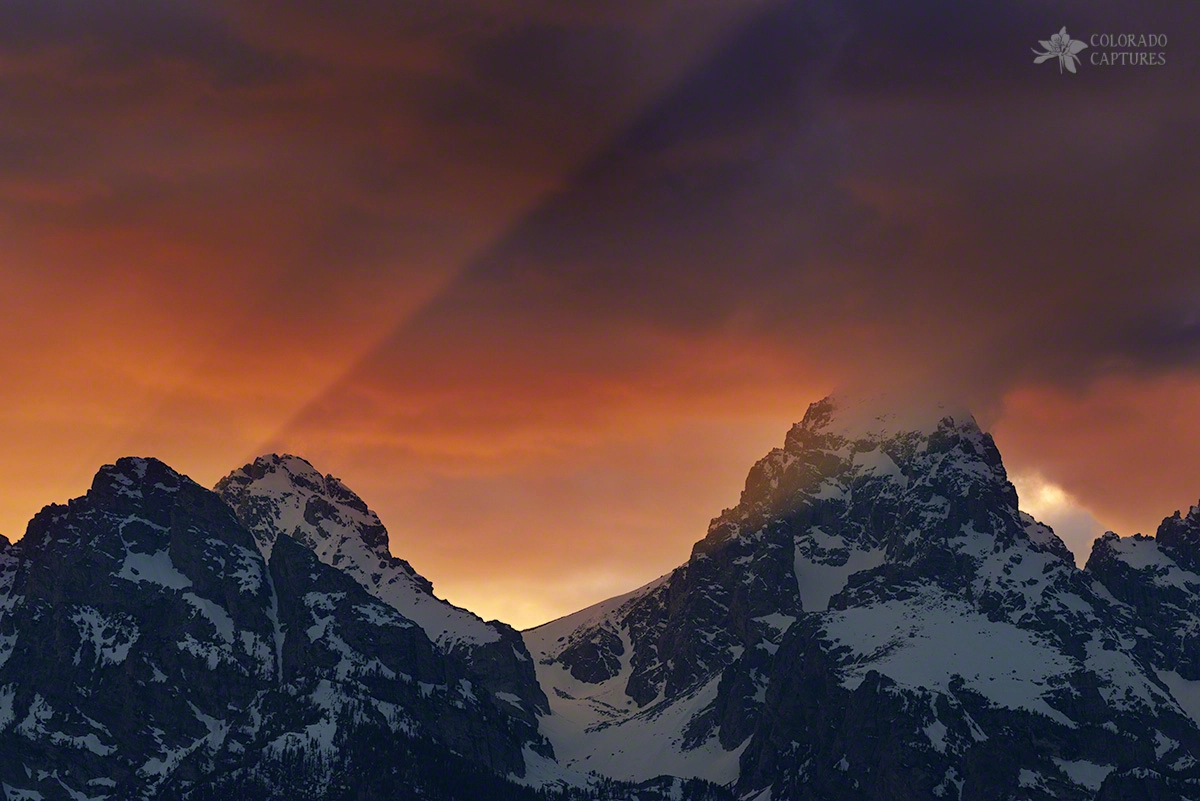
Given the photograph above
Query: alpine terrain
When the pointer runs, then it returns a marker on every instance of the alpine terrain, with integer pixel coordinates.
(875, 619)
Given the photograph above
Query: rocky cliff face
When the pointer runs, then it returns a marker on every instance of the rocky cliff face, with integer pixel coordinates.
(138, 615)
(875, 619)
(286, 497)
(1158, 578)
(149, 650)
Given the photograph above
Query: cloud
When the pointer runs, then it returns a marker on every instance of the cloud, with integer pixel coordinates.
(1126, 446)
(484, 262)
(762, 194)
(1052, 505)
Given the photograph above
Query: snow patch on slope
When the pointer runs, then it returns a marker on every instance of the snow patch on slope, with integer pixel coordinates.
(154, 568)
(929, 639)
(597, 727)
(1185, 692)
(818, 581)
(109, 636)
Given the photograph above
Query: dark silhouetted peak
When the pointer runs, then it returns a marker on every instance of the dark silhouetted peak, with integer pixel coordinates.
(135, 479)
(1180, 534)
(1108, 553)
(146, 502)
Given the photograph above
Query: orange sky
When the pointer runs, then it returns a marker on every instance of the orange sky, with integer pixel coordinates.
(541, 282)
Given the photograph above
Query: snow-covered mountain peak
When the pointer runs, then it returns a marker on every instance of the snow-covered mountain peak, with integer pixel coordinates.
(298, 469)
(850, 454)
(880, 558)
(285, 494)
(879, 417)
(146, 645)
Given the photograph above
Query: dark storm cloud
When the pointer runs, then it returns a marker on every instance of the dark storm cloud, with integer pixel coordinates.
(1159, 343)
(557, 63)
(613, 238)
(781, 177)
(357, 137)
(903, 167)
(129, 35)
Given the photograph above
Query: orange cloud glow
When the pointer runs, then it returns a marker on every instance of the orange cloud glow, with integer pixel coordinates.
(542, 281)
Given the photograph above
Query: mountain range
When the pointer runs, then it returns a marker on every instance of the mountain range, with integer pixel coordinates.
(875, 619)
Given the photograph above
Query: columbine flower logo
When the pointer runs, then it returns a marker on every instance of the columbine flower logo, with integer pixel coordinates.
(1062, 47)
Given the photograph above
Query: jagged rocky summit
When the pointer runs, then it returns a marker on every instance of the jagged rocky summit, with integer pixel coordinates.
(1158, 580)
(285, 496)
(150, 649)
(875, 619)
